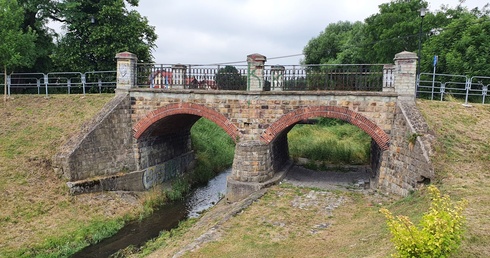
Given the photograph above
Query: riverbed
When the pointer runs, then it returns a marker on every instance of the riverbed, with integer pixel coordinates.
(165, 218)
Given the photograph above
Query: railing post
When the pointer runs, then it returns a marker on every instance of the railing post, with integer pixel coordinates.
(405, 75)
(46, 82)
(126, 72)
(38, 84)
(8, 83)
(84, 82)
(178, 76)
(277, 77)
(68, 84)
(484, 93)
(255, 76)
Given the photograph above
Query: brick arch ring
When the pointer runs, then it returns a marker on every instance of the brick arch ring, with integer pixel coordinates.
(186, 108)
(373, 130)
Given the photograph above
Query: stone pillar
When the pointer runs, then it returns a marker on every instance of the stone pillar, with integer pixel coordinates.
(252, 168)
(178, 76)
(126, 72)
(277, 77)
(405, 75)
(255, 77)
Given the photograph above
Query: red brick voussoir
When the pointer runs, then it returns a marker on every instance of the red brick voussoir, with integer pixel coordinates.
(378, 135)
(185, 108)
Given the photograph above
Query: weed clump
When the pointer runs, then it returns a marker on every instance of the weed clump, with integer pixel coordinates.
(440, 231)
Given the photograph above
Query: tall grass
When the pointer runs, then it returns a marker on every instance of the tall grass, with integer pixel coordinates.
(214, 150)
(330, 141)
(214, 153)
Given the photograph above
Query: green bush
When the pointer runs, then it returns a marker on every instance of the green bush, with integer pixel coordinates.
(439, 232)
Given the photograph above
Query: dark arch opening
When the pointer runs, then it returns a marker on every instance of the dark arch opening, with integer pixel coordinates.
(164, 143)
(277, 133)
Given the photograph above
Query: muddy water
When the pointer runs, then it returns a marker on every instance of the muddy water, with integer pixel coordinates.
(166, 218)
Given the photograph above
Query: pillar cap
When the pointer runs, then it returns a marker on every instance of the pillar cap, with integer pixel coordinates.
(405, 55)
(256, 58)
(126, 55)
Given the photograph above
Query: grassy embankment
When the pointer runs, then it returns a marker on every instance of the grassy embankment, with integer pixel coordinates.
(275, 227)
(38, 217)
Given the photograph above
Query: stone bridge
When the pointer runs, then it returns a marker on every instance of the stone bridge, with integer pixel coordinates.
(142, 137)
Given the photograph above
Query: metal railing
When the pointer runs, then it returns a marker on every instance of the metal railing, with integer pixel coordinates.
(355, 77)
(167, 76)
(441, 86)
(348, 77)
(60, 82)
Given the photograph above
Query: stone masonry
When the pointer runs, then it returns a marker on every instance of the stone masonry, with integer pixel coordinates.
(146, 132)
(103, 148)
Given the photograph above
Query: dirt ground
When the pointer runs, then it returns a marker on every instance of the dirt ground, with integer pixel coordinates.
(352, 177)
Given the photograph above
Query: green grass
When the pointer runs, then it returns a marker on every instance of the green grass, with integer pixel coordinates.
(69, 243)
(214, 150)
(330, 141)
(38, 217)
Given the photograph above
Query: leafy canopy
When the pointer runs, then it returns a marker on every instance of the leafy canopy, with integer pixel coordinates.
(96, 31)
(460, 37)
(16, 45)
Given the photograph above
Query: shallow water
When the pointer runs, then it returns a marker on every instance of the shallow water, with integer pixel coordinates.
(167, 217)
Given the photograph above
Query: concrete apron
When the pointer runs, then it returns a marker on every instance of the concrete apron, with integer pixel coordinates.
(237, 191)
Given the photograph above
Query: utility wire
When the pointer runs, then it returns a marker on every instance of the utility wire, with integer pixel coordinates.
(239, 62)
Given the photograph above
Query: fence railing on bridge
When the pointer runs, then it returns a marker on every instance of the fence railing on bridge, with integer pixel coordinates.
(360, 77)
(348, 77)
(435, 86)
(60, 82)
(214, 77)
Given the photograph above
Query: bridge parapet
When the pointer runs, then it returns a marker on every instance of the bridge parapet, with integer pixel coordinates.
(257, 76)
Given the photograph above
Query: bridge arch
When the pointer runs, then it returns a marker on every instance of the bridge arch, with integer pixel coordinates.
(180, 109)
(293, 117)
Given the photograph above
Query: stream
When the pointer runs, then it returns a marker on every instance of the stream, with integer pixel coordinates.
(137, 233)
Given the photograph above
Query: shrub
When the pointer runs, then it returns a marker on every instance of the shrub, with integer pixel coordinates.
(439, 232)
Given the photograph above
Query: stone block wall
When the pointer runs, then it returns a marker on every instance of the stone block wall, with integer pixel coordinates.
(155, 150)
(103, 147)
(407, 163)
(247, 115)
(252, 162)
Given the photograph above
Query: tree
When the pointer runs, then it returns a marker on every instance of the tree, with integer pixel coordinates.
(336, 44)
(37, 14)
(229, 78)
(97, 30)
(463, 46)
(460, 37)
(16, 46)
(394, 29)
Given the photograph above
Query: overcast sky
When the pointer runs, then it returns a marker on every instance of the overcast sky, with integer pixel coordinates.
(221, 31)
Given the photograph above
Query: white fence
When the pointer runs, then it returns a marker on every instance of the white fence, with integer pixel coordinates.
(59, 82)
(435, 86)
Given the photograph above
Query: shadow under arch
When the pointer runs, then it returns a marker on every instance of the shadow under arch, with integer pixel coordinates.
(293, 117)
(182, 115)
